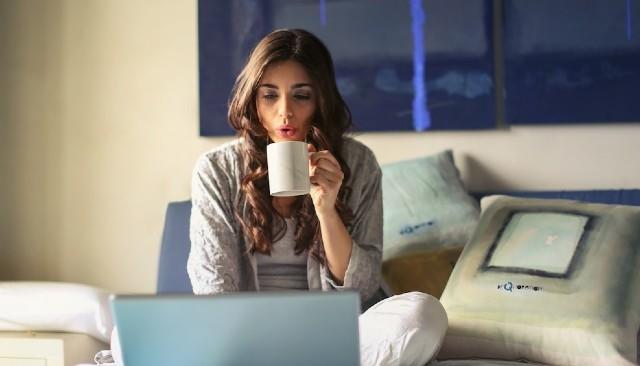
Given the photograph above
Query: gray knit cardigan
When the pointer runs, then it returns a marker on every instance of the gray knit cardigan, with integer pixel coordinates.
(218, 260)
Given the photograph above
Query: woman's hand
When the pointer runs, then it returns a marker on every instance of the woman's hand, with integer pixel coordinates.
(326, 179)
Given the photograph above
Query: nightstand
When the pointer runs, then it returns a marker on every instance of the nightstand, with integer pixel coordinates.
(47, 348)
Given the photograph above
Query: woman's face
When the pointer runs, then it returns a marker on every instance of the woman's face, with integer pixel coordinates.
(286, 101)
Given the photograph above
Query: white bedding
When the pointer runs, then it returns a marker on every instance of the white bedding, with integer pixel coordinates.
(55, 307)
(481, 363)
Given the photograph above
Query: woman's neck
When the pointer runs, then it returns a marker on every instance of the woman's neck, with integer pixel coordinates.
(283, 205)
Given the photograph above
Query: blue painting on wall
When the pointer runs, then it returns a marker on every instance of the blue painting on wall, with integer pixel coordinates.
(571, 61)
(401, 65)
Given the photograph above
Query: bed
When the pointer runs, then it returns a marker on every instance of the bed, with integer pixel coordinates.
(172, 276)
(458, 246)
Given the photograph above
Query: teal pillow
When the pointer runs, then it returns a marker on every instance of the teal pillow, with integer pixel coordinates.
(549, 281)
(426, 207)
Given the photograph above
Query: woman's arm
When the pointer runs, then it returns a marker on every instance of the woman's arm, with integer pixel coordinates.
(214, 260)
(337, 244)
(354, 256)
(365, 264)
(326, 179)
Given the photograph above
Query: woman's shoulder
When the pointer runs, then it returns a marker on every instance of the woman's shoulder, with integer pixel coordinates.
(358, 155)
(222, 158)
(225, 150)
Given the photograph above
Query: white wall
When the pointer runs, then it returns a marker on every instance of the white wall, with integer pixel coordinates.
(99, 130)
(535, 158)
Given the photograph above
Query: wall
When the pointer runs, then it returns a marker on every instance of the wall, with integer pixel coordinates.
(99, 130)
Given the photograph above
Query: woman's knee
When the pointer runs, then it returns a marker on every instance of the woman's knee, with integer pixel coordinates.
(412, 325)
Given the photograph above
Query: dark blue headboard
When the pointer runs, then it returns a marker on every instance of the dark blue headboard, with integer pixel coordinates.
(174, 251)
(172, 269)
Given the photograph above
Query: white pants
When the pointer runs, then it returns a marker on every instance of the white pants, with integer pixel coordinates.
(403, 330)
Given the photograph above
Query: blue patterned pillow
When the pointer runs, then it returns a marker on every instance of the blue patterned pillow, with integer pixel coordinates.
(425, 206)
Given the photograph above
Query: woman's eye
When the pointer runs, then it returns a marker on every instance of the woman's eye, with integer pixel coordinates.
(270, 96)
(302, 96)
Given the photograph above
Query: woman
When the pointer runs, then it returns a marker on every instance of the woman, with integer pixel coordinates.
(242, 239)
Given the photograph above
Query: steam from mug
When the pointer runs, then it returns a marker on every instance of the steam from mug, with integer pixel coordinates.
(288, 164)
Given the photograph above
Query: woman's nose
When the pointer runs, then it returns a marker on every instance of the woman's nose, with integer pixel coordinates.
(285, 109)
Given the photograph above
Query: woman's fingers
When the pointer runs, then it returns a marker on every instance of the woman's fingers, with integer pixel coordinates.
(328, 166)
(329, 176)
(324, 169)
(323, 156)
(322, 180)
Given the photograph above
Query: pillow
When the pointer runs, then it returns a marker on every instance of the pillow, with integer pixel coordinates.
(550, 281)
(428, 217)
(55, 306)
(425, 206)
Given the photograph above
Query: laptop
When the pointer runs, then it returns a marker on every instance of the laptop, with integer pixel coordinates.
(243, 329)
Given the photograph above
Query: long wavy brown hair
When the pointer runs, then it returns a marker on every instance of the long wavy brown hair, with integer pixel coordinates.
(332, 118)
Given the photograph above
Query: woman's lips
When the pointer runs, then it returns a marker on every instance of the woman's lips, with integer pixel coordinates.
(287, 131)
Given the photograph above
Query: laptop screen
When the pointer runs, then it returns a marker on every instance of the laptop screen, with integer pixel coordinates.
(274, 328)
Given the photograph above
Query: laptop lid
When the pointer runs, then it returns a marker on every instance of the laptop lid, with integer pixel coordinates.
(267, 328)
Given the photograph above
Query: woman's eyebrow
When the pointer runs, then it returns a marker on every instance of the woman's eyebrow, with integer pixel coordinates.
(294, 86)
(301, 85)
(270, 86)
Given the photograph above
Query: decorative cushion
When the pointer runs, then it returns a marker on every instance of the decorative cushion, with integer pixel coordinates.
(428, 217)
(55, 307)
(549, 281)
(425, 206)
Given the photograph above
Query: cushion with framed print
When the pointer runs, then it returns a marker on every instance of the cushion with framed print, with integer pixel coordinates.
(549, 281)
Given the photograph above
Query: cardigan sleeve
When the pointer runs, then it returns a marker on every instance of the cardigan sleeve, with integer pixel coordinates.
(214, 263)
(364, 268)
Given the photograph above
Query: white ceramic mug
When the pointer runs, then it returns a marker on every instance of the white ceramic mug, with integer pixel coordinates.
(288, 163)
